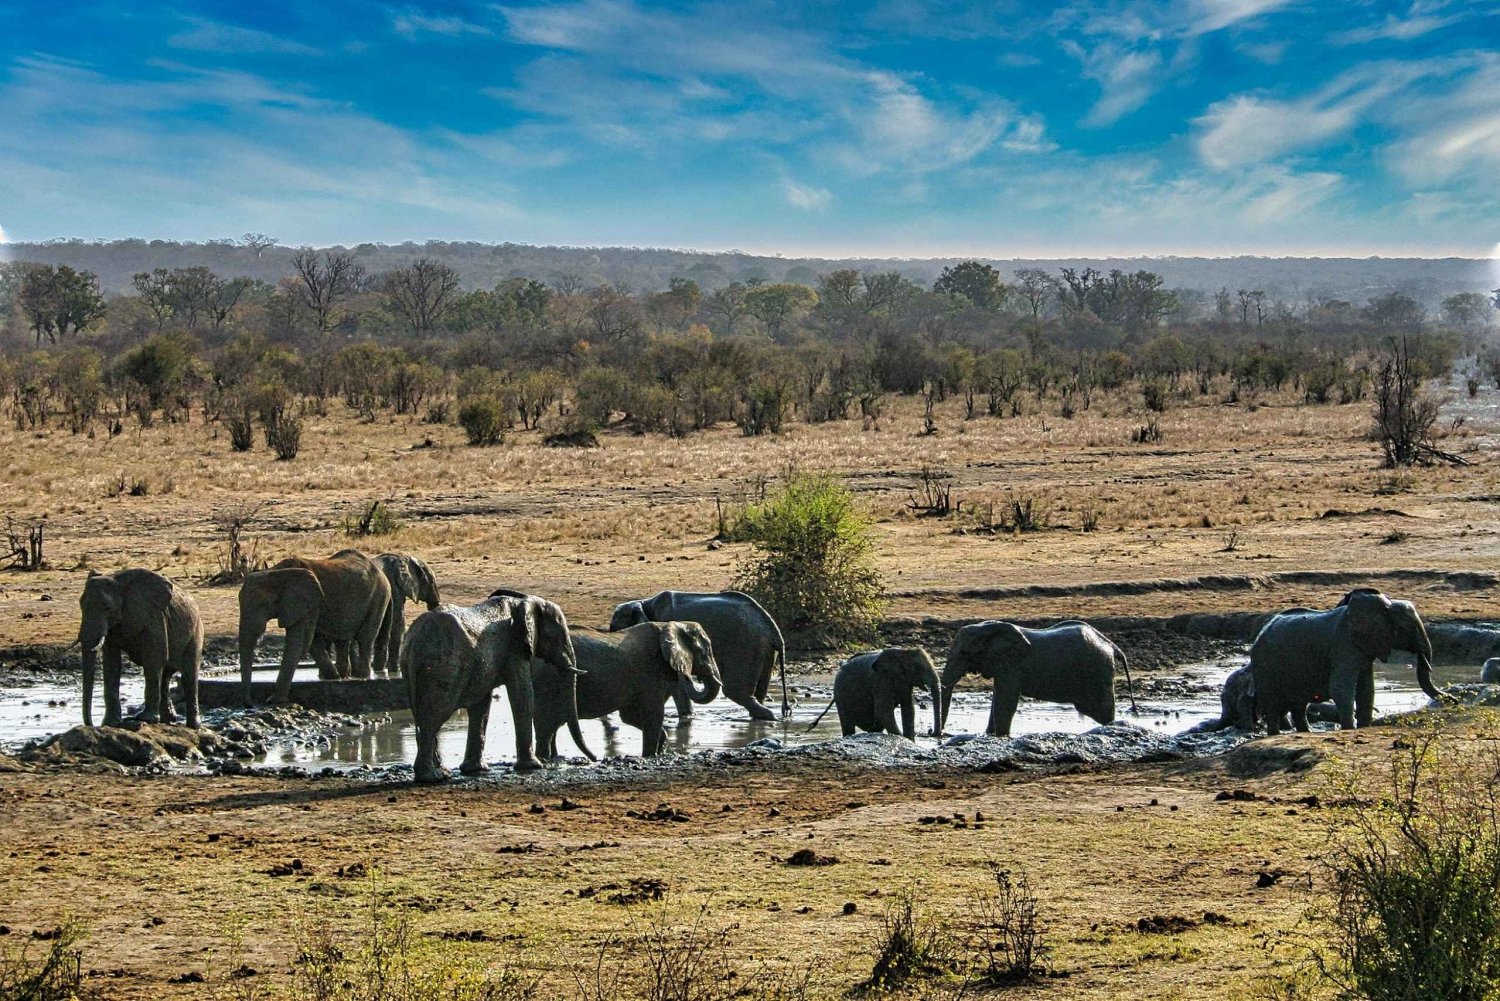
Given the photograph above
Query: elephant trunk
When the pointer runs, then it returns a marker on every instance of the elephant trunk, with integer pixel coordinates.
(939, 710)
(90, 637)
(571, 673)
(249, 636)
(953, 673)
(1424, 672)
(706, 692)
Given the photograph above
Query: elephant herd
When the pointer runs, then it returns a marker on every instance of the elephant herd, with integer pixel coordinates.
(347, 613)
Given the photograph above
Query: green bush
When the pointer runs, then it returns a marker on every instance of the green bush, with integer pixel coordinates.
(55, 975)
(811, 566)
(1413, 906)
(483, 420)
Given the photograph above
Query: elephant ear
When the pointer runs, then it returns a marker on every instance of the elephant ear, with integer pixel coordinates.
(405, 580)
(146, 597)
(426, 582)
(549, 637)
(1369, 620)
(524, 626)
(675, 650)
(301, 596)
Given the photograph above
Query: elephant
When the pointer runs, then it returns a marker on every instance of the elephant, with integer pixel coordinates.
(1489, 674)
(347, 610)
(633, 671)
(869, 686)
(146, 617)
(409, 577)
(455, 657)
(1303, 657)
(1070, 662)
(747, 642)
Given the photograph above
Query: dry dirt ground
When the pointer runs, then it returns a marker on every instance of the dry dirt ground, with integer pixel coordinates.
(163, 869)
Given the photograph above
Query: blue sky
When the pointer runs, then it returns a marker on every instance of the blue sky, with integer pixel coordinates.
(893, 128)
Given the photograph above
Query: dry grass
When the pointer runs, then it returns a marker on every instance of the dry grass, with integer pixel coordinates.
(575, 523)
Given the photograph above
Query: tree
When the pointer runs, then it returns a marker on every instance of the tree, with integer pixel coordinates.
(192, 292)
(421, 293)
(673, 308)
(258, 242)
(323, 281)
(59, 301)
(1394, 311)
(728, 303)
(1467, 309)
(975, 281)
(775, 305)
(154, 289)
(1405, 415)
(224, 296)
(159, 366)
(1035, 286)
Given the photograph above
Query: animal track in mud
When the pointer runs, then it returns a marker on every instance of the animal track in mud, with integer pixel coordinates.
(663, 812)
(808, 857)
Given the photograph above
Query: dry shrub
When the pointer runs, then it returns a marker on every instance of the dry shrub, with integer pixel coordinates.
(1011, 946)
(55, 975)
(910, 943)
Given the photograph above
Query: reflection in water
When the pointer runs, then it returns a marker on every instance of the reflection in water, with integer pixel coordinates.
(720, 725)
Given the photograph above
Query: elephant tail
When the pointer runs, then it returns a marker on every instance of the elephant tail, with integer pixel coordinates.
(786, 705)
(815, 722)
(1122, 663)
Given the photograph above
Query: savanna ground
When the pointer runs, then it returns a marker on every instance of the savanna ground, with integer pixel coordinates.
(164, 870)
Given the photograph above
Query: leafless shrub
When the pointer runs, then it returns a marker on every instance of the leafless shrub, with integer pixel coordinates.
(237, 560)
(1011, 947)
(934, 498)
(23, 544)
(1148, 433)
(1405, 414)
(910, 943)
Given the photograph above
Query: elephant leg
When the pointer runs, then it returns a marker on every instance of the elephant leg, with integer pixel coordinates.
(111, 684)
(1299, 719)
(1003, 703)
(653, 737)
(151, 703)
(1344, 683)
(1364, 699)
(479, 722)
(763, 683)
(683, 703)
(187, 679)
(427, 766)
(522, 703)
(908, 718)
(323, 654)
(164, 687)
(299, 639)
(846, 722)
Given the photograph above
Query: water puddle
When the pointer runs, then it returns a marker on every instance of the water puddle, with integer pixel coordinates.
(1168, 704)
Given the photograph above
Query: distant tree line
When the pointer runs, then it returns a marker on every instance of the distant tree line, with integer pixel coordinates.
(411, 340)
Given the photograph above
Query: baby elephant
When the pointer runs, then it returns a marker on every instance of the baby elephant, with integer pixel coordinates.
(869, 686)
(1489, 674)
(144, 616)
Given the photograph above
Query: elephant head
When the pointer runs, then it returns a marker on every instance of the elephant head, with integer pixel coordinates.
(416, 580)
(294, 598)
(905, 668)
(631, 613)
(542, 633)
(980, 648)
(1378, 625)
(689, 654)
(107, 603)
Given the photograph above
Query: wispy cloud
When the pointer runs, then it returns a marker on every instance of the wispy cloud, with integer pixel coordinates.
(1422, 18)
(805, 197)
(1127, 78)
(203, 35)
(413, 21)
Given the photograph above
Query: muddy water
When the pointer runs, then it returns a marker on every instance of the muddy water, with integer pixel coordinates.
(1170, 704)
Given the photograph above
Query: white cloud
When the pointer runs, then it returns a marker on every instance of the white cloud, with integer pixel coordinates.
(412, 21)
(1422, 18)
(805, 197)
(1205, 16)
(1452, 134)
(215, 36)
(1127, 78)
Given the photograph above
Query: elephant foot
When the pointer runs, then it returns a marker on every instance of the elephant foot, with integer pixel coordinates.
(111, 721)
(468, 769)
(762, 713)
(145, 717)
(327, 674)
(530, 764)
(432, 776)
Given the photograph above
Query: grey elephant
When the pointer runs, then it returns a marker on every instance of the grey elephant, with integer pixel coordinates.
(1489, 674)
(144, 616)
(455, 657)
(747, 642)
(869, 686)
(410, 578)
(1071, 662)
(1304, 657)
(633, 672)
(345, 612)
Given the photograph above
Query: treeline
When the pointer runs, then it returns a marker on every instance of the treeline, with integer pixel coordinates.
(412, 341)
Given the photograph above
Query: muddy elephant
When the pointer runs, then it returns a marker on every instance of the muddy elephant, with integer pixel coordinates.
(144, 616)
(869, 686)
(1302, 657)
(632, 671)
(1071, 662)
(345, 612)
(410, 578)
(746, 640)
(1489, 674)
(455, 657)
